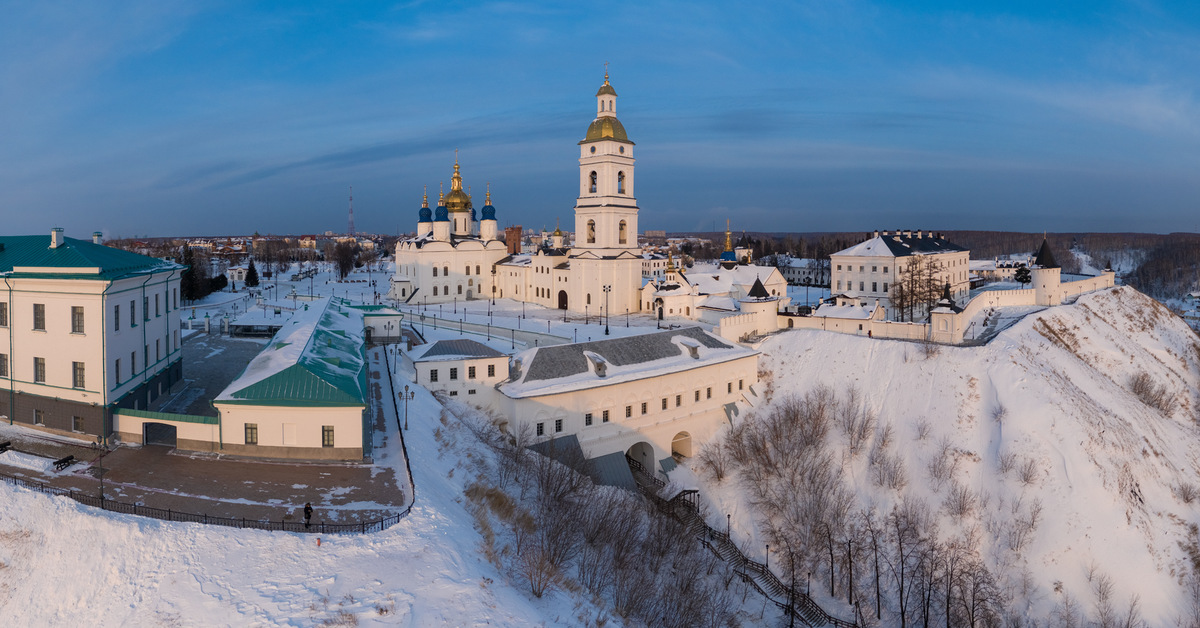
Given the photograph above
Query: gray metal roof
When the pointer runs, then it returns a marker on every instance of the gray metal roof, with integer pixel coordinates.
(613, 470)
(451, 349)
(558, 361)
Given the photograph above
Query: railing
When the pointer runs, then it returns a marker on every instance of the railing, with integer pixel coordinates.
(799, 604)
(167, 514)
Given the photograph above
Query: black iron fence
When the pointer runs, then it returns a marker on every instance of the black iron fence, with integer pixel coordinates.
(167, 514)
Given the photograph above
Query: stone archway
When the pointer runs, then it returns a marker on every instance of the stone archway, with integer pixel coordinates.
(658, 305)
(642, 453)
(681, 445)
(562, 299)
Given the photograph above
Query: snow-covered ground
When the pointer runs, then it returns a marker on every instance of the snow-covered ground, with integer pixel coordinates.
(64, 564)
(1053, 389)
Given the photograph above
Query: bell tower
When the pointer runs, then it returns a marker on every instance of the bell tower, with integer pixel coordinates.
(606, 210)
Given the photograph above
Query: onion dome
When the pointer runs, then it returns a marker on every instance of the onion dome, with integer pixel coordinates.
(606, 89)
(489, 212)
(457, 200)
(728, 255)
(606, 128)
(441, 214)
(425, 214)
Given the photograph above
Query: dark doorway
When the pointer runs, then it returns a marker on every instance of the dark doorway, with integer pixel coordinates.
(158, 434)
(562, 299)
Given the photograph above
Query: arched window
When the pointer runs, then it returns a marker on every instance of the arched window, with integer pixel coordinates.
(468, 271)
(592, 178)
(435, 291)
(477, 269)
(589, 298)
(446, 270)
(620, 183)
(460, 288)
(591, 232)
(622, 230)
(435, 271)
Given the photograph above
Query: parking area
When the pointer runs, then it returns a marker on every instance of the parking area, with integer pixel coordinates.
(210, 363)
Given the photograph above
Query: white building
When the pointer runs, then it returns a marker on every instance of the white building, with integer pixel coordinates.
(869, 270)
(461, 368)
(453, 257)
(800, 271)
(84, 329)
(652, 397)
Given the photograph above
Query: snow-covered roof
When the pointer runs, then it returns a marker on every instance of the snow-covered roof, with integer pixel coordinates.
(844, 311)
(317, 358)
(571, 367)
(455, 350)
(899, 245)
(719, 303)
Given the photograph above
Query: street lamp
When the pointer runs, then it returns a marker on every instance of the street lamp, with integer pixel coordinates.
(493, 288)
(606, 289)
(406, 396)
(100, 467)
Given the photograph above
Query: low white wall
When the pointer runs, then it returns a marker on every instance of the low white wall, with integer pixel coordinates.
(131, 428)
(737, 326)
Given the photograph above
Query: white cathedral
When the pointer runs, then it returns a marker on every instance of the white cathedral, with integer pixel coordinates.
(454, 256)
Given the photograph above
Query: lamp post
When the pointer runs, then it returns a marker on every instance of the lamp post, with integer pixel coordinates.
(627, 317)
(100, 467)
(406, 396)
(456, 304)
(606, 289)
(493, 288)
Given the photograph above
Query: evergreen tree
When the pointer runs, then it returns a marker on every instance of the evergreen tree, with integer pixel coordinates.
(187, 281)
(252, 276)
(1023, 276)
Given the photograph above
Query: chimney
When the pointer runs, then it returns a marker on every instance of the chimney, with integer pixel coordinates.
(907, 234)
(56, 237)
(876, 234)
(920, 234)
(97, 237)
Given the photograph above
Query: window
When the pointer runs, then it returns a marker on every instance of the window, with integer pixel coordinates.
(39, 316)
(132, 314)
(435, 271)
(591, 229)
(862, 269)
(729, 388)
(175, 298)
(435, 291)
(327, 436)
(740, 384)
(470, 372)
(3, 315)
(433, 375)
(470, 391)
(39, 370)
(885, 286)
(874, 269)
(460, 288)
(117, 370)
(839, 266)
(861, 286)
(708, 393)
(678, 400)
(874, 287)
(697, 395)
(145, 308)
(604, 417)
(491, 370)
(39, 417)
(446, 270)
(453, 374)
(252, 433)
(477, 269)
(76, 424)
(156, 306)
(885, 270)
(839, 284)
(592, 184)
(620, 183)
(77, 374)
(117, 317)
(643, 407)
(557, 425)
(628, 411)
(468, 270)
(664, 404)
(3, 365)
(622, 232)
(541, 429)
(587, 419)
(453, 393)
(157, 351)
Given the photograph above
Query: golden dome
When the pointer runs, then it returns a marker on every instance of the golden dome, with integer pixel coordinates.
(606, 128)
(606, 88)
(457, 200)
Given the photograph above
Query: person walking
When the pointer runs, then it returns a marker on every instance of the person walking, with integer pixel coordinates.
(307, 513)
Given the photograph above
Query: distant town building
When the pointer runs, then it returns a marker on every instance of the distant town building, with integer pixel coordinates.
(870, 269)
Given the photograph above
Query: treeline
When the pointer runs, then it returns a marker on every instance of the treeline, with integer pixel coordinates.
(547, 525)
(1170, 270)
(897, 561)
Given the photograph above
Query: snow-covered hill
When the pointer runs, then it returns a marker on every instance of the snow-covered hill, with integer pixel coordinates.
(1044, 418)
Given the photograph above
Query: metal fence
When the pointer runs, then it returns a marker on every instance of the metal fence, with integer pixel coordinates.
(166, 514)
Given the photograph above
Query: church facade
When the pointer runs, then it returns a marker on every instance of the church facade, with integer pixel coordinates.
(454, 257)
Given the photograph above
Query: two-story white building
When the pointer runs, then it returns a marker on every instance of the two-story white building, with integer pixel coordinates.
(84, 329)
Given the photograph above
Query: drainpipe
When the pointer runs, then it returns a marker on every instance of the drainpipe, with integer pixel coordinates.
(145, 322)
(106, 428)
(11, 357)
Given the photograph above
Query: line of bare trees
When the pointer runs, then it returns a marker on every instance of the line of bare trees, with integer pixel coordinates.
(894, 563)
(548, 525)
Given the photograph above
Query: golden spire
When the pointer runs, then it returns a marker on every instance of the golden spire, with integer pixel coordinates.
(487, 200)
(425, 197)
(468, 191)
(606, 73)
(455, 179)
(557, 231)
(670, 262)
(728, 238)
(441, 194)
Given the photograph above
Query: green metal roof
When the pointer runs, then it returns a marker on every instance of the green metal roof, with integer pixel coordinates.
(168, 416)
(317, 359)
(74, 259)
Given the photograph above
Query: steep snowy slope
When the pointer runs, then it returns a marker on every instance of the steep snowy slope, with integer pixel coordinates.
(1045, 415)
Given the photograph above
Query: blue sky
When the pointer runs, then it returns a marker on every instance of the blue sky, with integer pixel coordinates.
(160, 118)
